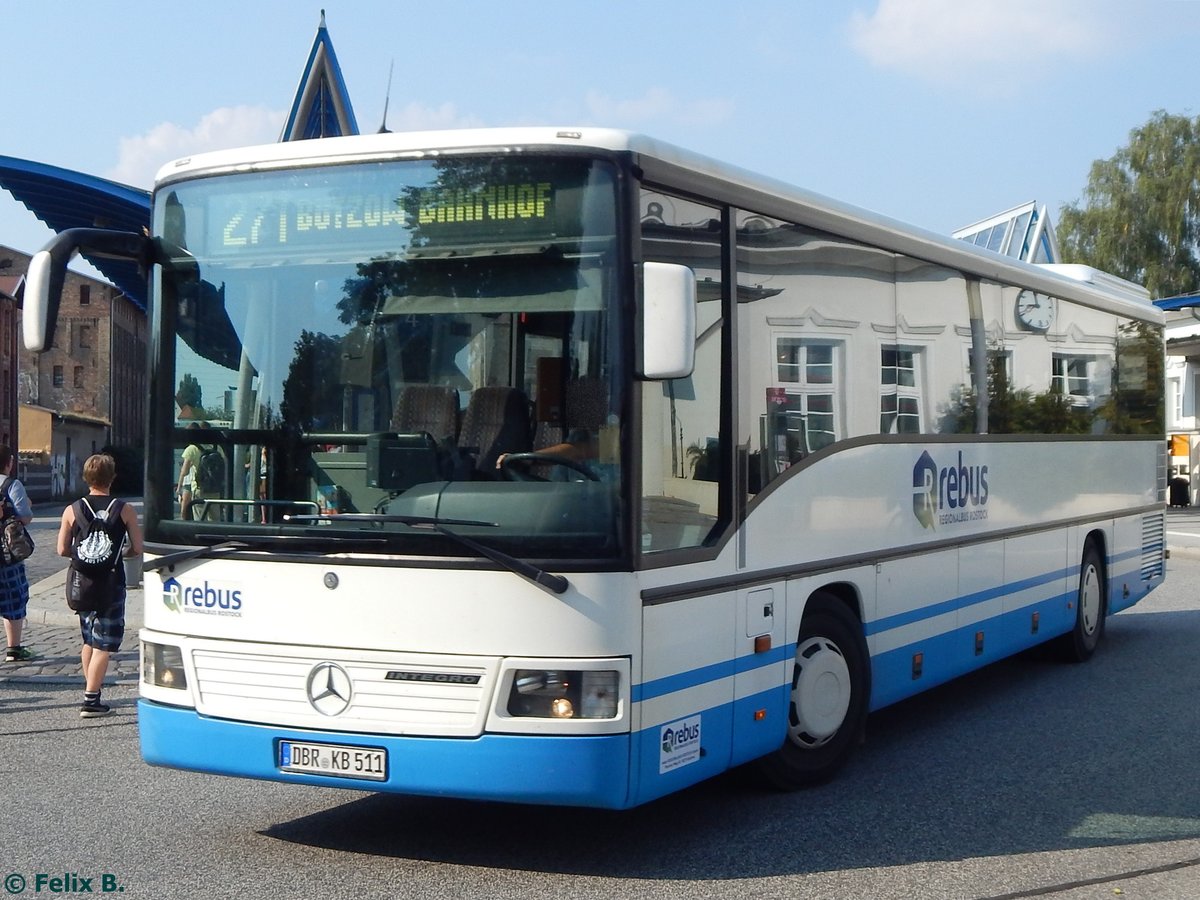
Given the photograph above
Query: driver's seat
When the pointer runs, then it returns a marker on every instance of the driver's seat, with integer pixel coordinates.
(496, 421)
(429, 408)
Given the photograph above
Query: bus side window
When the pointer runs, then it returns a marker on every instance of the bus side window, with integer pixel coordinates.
(681, 418)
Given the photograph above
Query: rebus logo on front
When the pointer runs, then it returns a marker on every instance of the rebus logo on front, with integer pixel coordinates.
(204, 598)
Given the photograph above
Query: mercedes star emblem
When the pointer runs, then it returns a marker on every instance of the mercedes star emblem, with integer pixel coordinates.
(329, 689)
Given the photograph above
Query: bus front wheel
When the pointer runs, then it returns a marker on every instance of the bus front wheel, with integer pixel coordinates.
(827, 709)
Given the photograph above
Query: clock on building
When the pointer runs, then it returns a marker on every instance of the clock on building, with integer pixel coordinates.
(1035, 311)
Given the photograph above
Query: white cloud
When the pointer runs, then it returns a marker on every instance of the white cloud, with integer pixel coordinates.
(958, 39)
(416, 117)
(140, 157)
(656, 105)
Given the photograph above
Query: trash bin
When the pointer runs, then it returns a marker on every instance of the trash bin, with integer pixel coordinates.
(133, 571)
(1180, 493)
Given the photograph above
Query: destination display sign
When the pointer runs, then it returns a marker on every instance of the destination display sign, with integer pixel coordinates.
(311, 217)
(380, 207)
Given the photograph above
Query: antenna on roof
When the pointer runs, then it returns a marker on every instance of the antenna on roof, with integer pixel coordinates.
(383, 129)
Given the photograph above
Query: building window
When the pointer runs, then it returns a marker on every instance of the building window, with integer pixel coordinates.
(807, 371)
(900, 391)
(85, 336)
(58, 376)
(1071, 376)
(79, 376)
(85, 294)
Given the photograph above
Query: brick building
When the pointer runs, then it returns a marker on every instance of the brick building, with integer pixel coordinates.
(89, 389)
(12, 286)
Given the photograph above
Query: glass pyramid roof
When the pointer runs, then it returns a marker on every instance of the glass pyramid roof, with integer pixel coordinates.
(1023, 232)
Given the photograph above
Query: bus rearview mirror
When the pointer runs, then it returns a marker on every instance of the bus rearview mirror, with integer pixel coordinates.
(48, 270)
(668, 321)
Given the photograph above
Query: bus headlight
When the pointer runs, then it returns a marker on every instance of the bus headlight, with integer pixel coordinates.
(162, 666)
(563, 694)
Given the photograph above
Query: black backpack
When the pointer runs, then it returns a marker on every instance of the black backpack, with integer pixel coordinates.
(15, 542)
(95, 554)
(98, 538)
(210, 473)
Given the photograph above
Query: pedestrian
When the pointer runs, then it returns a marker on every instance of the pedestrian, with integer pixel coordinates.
(186, 487)
(14, 586)
(101, 631)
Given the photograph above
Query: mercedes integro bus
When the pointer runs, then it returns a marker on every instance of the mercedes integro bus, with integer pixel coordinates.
(570, 467)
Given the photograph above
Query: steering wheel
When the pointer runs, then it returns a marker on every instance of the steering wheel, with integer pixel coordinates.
(551, 458)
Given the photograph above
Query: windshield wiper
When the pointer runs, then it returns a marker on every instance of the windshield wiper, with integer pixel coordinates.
(548, 580)
(181, 556)
(173, 559)
(415, 521)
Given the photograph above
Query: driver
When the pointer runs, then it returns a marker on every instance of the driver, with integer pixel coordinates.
(580, 446)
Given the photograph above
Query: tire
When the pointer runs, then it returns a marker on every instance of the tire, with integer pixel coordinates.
(831, 687)
(1091, 608)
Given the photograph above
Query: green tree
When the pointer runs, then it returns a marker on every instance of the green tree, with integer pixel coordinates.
(1140, 213)
(1015, 411)
(1139, 217)
(312, 396)
(189, 392)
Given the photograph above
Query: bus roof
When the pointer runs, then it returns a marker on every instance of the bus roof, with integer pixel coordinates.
(759, 193)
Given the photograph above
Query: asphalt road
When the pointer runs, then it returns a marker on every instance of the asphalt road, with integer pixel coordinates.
(1183, 529)
(1031, 778)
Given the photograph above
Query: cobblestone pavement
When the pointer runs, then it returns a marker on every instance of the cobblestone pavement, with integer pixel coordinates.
(52, 632)
(57, 662)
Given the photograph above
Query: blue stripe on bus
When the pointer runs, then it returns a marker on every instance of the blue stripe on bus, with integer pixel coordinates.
(952, 653)
(1135, 553)
(964, 602)
(682, 681)
(1051, 609)
(670, 684)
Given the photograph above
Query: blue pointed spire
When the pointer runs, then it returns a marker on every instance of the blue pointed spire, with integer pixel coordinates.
(321, 107)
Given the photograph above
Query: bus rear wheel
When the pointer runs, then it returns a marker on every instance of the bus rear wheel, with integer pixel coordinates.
(827, 709)
(1091, 606)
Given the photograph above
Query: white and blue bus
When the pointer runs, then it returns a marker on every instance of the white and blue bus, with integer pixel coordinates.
(569, 467)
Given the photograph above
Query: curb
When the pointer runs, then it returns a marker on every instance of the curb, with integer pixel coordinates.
(110, 680)
(41, 611)
(48, 604)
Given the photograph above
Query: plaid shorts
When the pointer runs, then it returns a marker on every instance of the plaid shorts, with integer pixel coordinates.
(14, 591)
(105, 630)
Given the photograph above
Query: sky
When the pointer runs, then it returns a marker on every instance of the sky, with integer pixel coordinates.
(935, 112)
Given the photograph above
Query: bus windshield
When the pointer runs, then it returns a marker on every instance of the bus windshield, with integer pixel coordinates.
(361, 357)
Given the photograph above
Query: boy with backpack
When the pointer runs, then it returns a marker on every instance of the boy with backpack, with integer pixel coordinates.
(94, 531)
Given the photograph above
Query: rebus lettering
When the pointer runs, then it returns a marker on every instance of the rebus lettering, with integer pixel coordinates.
(208, 597)
(961, 488)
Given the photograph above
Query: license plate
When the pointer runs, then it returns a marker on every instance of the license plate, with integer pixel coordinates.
(333, 759)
